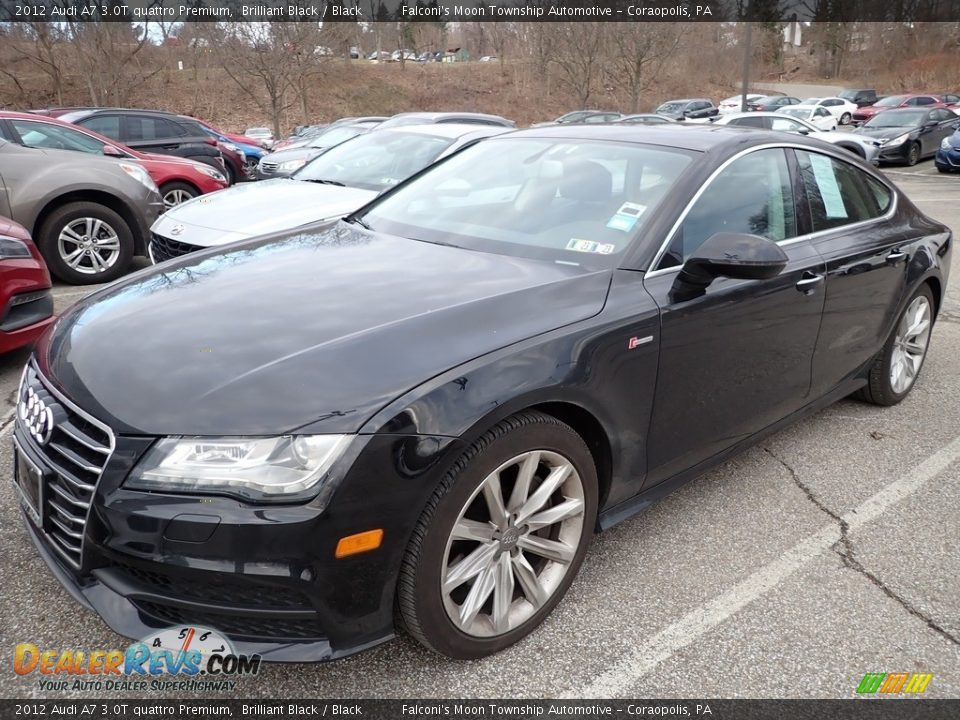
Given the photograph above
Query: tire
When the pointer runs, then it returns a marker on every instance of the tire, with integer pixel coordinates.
(845, 118)
(230, 174)
(174, 193)
(62, 236)
(250, 168)
(913, 155)
(526, 585)
(881, 388)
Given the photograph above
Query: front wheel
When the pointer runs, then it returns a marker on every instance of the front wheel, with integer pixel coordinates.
(913, 154)
(501, 539)
(845, 119)
(85, 243)
(896, 368)
(175, 193)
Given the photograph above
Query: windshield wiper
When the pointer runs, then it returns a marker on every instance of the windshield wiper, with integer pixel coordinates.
(354, 220)
(324, 182)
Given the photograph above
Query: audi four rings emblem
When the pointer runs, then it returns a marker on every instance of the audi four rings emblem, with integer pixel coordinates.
(36, 416)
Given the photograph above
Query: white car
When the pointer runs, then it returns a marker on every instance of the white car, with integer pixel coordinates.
(860, 145)
(334, 184)
(732, 103)
(260, 133)
(816, 115)
(841, 109)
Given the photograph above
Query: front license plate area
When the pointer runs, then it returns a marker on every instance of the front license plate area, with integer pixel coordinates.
(29, 481)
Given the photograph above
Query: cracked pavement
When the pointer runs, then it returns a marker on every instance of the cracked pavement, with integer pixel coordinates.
(778, 574)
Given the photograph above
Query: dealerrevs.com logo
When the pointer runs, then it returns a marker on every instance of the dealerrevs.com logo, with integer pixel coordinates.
(178, 658)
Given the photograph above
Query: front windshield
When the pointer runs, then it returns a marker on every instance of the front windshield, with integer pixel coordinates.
(334, 136)
(893, 100)
(377, 160)
(572, 117)
(574, 201)
(671, 108)
(896, 119)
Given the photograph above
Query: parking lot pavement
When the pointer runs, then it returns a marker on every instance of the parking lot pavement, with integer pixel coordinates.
(824, 553)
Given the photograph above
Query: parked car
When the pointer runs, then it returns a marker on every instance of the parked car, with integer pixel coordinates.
(154, 132)
(26, 303)
(841, 109)
(424, 118)
(816, 115)
(488, 58)
(864, 147)
(908, 135)
(332, 185)
(251, 152)
(234, 137)
(583, 116)
(645, 119)
(263, 134)
(859, 96)
(177, 178)
(733, 103)
(772, 103)
(689, 109)
(311, 131)
(89, 214)
(895, 101)
(947, 158)
(285, 162)
(427, 409)
(951, 100)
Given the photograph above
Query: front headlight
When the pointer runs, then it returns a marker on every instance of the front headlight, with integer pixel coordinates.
(272, 468)
(13, 248)
(899, 140)
(140, 175)
(212, 172)
(945, 144)
(291, 165)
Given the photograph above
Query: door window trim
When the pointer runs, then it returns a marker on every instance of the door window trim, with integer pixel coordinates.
(652, 272)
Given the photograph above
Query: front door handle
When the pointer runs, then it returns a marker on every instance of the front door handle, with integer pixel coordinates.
(809, 282)
(895, 256)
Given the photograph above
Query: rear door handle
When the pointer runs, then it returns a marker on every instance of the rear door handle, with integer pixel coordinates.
(809, 282)
(896, 256)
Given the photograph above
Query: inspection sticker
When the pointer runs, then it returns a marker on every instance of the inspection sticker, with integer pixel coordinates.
(589, 246)
(626, 217)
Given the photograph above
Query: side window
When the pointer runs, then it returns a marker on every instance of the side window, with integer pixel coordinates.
(927, 101)
(755, 122)
(4, 135)
(108, 125)
(838, 193)
(822, 112)
(151, 128)
(785, 124)
(751, 195)
(47, 135)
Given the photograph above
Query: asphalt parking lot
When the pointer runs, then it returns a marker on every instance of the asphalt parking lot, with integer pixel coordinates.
(827, 552)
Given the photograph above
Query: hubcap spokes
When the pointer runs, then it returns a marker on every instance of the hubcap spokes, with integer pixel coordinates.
(89, 245)
(175, 197)
(513, 543)
(910, 345)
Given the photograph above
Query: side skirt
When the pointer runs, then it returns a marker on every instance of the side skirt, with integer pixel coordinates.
(628, 508)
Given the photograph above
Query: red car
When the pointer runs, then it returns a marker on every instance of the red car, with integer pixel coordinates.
(889, 102)
(235, 137)
(24, 288)
(179, 179)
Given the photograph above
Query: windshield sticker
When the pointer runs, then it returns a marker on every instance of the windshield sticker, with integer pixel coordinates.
(626, 217)
(829, 188)
(588, 246)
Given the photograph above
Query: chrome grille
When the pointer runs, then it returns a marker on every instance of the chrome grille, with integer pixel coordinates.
(75, 453)
(164, 248)
(268, 167)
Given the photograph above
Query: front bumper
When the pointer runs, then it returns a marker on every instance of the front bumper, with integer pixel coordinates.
(263, 575)
(895, 154)
(948, 159)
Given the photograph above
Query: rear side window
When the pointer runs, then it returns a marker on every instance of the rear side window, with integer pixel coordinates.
(150, 128)
(752, 195)
(754, 122)
(839, 193)
(108, 125)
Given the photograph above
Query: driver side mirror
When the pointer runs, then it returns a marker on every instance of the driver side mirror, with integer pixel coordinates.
(112, 151)
(733, 255)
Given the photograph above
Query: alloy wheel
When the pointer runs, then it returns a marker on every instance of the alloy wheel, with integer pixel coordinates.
(174, 197)
(89, 245)
(910, 345)
(512, 544)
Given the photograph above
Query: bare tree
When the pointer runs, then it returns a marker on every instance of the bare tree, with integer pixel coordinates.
(107, 57)
(577, 55)
(640, 51)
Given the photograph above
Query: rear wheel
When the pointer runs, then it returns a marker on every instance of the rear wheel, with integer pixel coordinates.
(174, 193)
(85, 243)
(501, 539)
(896, 368)
(845, 119)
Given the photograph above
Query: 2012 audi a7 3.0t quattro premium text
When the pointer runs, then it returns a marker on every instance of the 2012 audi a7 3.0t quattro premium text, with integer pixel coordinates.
(423, 411)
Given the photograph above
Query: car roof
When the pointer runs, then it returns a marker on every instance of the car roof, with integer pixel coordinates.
(701, 138)
(448, 130)
(686, 100)
(437, 116)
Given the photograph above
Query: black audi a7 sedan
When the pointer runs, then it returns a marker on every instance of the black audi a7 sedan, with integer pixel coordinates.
(421, 413)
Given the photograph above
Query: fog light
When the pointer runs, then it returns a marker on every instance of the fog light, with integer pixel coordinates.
(359, 543)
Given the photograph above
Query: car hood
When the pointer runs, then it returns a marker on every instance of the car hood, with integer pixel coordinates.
(294, 153)
(883, 134)
(251, 209)
(320, 328)
(833, 136)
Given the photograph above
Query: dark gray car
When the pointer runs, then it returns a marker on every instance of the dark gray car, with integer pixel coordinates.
(688, 108)
(88, 214)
